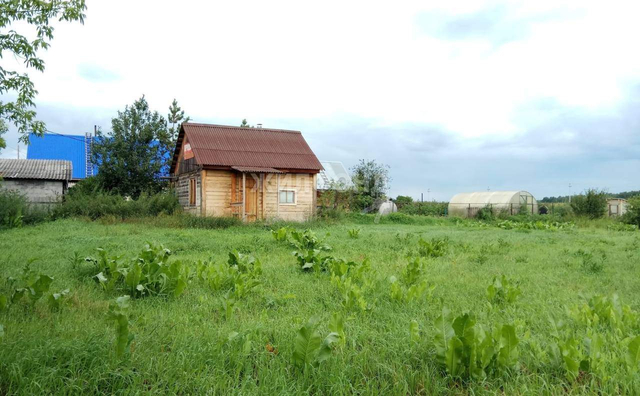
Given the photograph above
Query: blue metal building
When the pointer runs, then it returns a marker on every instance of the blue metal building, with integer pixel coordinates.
(74, 148)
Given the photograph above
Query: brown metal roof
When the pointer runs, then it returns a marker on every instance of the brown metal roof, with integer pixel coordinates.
(219, 145)
(35, 169)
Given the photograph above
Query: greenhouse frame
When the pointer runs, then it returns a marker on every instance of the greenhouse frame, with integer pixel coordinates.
(510, 202)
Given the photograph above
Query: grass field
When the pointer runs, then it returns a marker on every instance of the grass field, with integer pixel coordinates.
(189, 345)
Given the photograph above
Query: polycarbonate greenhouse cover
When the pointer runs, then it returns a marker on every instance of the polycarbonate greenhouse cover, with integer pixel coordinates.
(488, 197)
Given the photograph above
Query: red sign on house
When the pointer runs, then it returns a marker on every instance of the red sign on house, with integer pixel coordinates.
(188, 153)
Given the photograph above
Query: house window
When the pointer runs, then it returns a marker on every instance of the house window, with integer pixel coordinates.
(192, 192)
(288, 197)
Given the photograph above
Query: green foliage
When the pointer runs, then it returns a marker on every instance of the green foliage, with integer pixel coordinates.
(175, 117)
(535, 225)
(633, 212)
(354, 233)
(97, 205)
(402, 200)
(436, 247)
(135, 154)
(351, 280)
(309, 247)
(592, 204)
(371, 181)
(35, 17)
(56, 300)
(15, 211)
(351, 293)
(466, 350)
(590, 262)
(208, 222)
(607, 312)
(118, 315)
(150, 273)
(486, 214)
(633, 354)
(307, 240)
(281, 234)
(384, 353)
(436, 209)
(238, 277)
(31, 285)
(12, 207)
(336, 325)
(414, 331)
(411, 286)
(310, 349)
(228, 304)
(502, 291)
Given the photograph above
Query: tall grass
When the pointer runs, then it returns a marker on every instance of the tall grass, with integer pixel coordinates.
(100, 204)
(15, 211)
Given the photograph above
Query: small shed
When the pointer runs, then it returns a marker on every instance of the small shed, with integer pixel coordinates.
(511, 202)
(42, 182)
(250, 173)
(617, 206)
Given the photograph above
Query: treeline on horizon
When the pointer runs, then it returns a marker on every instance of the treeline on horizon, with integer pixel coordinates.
(565, 198)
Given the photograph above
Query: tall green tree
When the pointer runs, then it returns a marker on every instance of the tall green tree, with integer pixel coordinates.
(133, 156)
(32, 18)
(3, 130)
(371, 182)
(175, 118)
(245, 124)
(592, 203)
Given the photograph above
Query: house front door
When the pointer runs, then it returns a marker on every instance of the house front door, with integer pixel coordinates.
(251, 198)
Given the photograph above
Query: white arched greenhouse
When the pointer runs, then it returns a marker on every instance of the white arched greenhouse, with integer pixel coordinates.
(510, 202)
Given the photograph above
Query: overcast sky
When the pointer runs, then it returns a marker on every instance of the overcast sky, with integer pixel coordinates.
(454, 96)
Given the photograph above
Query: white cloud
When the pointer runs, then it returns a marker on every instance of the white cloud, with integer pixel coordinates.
(309, 64)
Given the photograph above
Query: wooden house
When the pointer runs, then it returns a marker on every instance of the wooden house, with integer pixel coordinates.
(250, 173)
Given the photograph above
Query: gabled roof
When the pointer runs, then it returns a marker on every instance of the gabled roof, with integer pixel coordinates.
(35, 169)
(228, 146)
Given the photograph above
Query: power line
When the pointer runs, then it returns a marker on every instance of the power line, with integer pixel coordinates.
(66, 136)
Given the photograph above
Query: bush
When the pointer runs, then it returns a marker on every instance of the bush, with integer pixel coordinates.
(633, 211)
(424, 208)
(88, 186)
(485, 214)
(99, 204)
(12, 207)
(592, 204)
(15, 211)
(402, 200)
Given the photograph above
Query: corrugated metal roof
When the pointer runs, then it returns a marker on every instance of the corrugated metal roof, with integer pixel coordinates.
(219, 145)
(60, 147)
(35, 169)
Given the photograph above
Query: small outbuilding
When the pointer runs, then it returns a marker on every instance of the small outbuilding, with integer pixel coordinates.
(250, 173)
(511, 202)
(617, 207)
(42, 182)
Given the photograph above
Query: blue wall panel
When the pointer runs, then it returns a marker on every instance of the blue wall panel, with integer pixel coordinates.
(59, 147)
